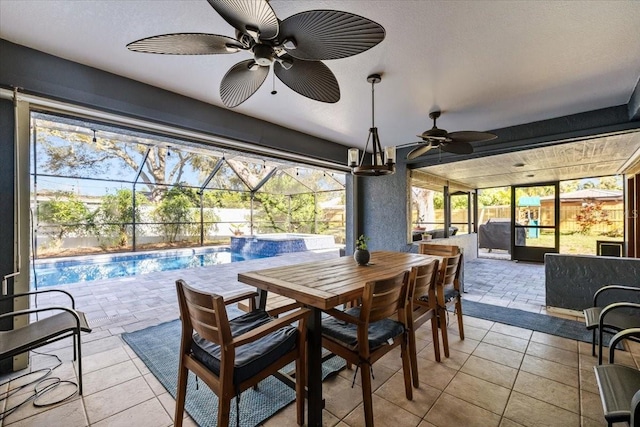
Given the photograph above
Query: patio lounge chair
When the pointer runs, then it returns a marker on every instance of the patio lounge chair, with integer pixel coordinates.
(619, 386)
(613, 317)
(68, 322)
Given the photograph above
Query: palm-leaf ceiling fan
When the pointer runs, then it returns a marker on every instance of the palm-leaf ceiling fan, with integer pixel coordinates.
(451, 142)
(295, 47)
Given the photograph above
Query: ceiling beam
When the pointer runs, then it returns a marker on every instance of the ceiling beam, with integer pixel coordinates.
(634, 103)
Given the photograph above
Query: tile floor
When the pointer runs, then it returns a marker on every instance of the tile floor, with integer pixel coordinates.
(498, 376)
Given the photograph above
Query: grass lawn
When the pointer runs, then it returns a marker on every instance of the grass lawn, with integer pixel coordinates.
(572, 243)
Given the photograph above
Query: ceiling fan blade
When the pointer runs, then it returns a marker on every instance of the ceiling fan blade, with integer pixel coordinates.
(471, 136)
(457, 147)
(243, 14)
(418, 151)
(329, 34)
(312, 79)
(184, 44)
(240, 83)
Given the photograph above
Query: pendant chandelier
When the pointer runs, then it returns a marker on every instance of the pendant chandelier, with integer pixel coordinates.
(377, 166)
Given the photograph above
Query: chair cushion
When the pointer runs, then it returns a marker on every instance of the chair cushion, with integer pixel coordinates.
(450, 293)
(617, 385)
(250, 358)
(347, 333)
(616, 320)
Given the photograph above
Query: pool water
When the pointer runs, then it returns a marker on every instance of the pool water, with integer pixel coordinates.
(99, 267)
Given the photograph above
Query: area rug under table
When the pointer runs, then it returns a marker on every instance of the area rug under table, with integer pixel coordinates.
(547, 324)
(159, 346)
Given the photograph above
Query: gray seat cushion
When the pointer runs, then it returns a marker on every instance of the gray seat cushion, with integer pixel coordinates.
(450, 293)
(251, 358)
(617, 385)
(347, 333)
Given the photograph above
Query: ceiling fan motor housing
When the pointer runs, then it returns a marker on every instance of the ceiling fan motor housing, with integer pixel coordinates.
(263, 54)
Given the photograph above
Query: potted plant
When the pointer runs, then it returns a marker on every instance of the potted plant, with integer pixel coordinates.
(426, 236)
(362, 255)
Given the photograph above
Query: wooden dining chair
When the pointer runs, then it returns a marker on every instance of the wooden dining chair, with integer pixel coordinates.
(422, 306)
(362, 335)
(448, 293)
(231, 356)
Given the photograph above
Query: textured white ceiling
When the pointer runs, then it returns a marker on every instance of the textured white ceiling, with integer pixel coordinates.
(607, 155)
(486, 64)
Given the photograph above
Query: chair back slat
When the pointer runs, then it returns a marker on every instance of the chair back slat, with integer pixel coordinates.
(383, 298)
(423, 279)
(440, 250)
(449, 270)
(204, 313)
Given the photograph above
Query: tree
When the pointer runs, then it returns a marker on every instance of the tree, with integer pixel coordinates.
(287, 212)
(569, 186)
(494, 197)
(175, 211)
(423, 202)
(67, 213)
(226, 199)
(70, 150)
(116, 214)
(611, 183)
(591, 214)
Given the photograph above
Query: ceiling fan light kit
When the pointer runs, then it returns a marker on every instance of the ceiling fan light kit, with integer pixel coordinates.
(378, 166)
(293, 47)
(451, 142)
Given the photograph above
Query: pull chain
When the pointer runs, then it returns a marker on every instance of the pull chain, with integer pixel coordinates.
(274, 91)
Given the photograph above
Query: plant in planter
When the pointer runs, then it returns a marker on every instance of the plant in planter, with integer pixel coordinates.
(362, 255)
(426, 236)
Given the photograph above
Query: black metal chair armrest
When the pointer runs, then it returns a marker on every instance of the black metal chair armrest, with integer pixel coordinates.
(626, 333)
(615, 306)
(73, 302)
(623, 324)
(612, 287)
(81, 320)
(40, 310)
(635, 410)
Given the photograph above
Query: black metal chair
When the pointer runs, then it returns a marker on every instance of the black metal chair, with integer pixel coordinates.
(67, 323)
(611, 318)
(619, 385)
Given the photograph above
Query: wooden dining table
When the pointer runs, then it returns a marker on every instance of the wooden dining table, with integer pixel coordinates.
(320, 286)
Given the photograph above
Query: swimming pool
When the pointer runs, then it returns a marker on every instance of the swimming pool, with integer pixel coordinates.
(85, 269)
